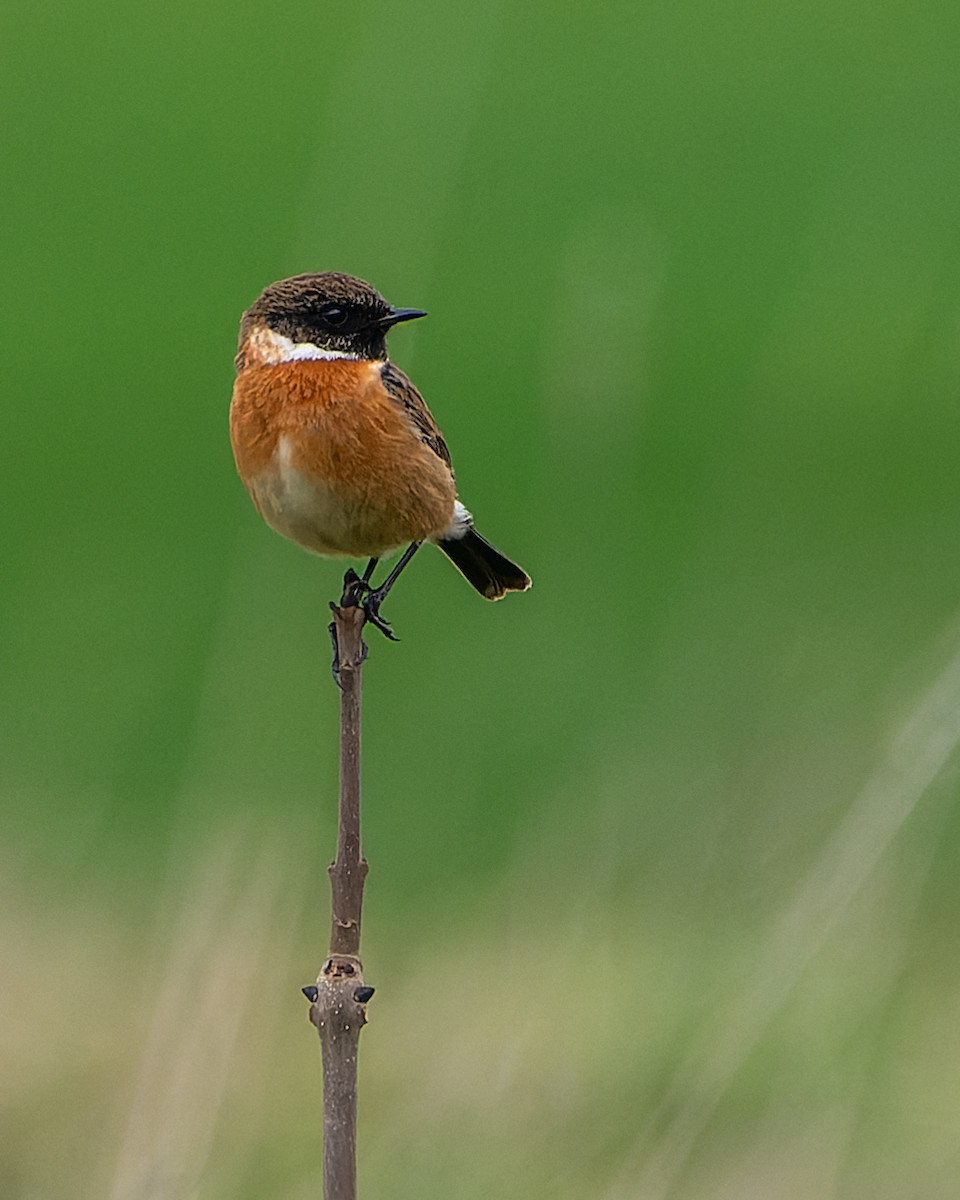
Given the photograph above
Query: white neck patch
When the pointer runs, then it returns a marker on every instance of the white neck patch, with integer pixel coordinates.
(269, 347)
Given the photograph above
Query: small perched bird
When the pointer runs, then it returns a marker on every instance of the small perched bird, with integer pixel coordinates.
(336, 446)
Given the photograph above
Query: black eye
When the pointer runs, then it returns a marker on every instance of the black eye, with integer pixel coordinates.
(333, 314)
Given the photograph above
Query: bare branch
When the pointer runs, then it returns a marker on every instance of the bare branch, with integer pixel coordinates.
(338, 1007)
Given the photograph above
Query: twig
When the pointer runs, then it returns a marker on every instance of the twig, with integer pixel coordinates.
(339, 1000)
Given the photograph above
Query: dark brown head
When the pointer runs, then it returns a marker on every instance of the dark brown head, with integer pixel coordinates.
(325, 315)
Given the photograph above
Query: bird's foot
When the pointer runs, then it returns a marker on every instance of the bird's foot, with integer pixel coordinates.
(353, 589)
(371, 606)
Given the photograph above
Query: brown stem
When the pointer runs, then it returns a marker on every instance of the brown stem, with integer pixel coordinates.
(339, 1009)
(349, 869)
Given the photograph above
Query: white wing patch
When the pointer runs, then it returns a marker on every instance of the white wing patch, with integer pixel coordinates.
(461, 524)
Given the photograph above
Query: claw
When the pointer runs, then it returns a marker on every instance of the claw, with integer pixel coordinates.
(371, 606)
(335, 664)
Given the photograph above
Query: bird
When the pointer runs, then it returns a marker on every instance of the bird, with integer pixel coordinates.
(337, 447)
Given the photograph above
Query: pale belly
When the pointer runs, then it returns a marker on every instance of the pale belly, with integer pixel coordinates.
(310, 515)
(323, 520)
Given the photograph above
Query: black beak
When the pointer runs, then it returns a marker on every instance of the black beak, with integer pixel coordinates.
(396, 315)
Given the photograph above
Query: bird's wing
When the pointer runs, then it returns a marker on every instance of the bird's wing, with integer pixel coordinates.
(403, 393)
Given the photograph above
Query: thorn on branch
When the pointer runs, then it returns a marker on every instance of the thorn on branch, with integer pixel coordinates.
(363, 994)
(311, 992)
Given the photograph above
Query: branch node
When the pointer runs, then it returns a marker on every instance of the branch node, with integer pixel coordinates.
(338, 965)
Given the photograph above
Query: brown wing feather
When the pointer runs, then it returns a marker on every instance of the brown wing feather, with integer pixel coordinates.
(405, 395)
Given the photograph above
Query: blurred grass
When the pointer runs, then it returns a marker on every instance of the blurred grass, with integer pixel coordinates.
(693, 283)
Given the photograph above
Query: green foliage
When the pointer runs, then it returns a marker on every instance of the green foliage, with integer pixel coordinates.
(692, 274)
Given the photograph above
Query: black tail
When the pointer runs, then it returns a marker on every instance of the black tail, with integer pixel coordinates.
(490, 572)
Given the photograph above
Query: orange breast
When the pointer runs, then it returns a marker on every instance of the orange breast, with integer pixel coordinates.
(332, 462)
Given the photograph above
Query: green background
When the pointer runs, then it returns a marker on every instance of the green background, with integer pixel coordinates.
(664, 854)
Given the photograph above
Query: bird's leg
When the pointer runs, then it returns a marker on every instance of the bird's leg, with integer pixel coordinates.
(371, 565)
(374, 598)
